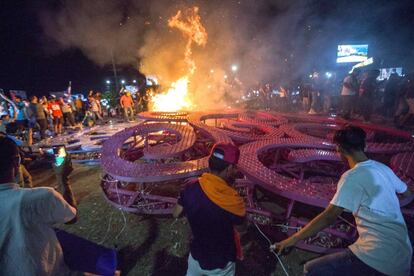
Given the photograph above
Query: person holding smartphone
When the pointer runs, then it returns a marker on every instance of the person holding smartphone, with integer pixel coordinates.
(27, 216)
(62, 166)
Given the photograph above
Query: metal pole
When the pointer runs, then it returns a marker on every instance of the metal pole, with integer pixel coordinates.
(115, 72)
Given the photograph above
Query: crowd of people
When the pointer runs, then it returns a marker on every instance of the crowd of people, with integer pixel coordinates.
(358, 96)
(47, 115)
(51, 116)
(362, 95)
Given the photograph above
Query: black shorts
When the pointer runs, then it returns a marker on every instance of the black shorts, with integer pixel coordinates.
(21, 124)
(57, 120)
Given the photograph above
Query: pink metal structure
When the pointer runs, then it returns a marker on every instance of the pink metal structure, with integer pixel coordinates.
(164, 116)
(284, 158)
(241, 126)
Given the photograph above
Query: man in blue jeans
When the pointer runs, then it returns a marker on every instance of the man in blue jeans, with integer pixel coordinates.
(368, 190)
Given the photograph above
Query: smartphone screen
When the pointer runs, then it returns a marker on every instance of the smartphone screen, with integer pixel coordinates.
(48, 151)
(60, 155)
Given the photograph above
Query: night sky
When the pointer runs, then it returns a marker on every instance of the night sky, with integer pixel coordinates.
(30, 62)
(27, 64)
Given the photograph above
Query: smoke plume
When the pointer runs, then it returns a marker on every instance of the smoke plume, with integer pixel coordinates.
(269, 41)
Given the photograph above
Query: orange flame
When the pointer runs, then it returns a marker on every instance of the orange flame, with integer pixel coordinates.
(177, 98)
(192, 28)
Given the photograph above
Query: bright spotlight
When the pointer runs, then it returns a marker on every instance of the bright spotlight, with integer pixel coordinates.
(310, 76)
(123, 81)
(328, 75)
(234, 68)
(212, 71)
(108, 82)
(134, 81)
(225, 76)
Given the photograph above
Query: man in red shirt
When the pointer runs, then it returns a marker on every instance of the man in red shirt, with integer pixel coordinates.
(126, 104)
(57, 115)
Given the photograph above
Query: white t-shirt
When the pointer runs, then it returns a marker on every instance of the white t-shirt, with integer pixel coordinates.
(369, 191)
(349, 91)
(28, 244)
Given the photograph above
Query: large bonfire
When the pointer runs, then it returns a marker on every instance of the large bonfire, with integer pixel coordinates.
(177, 97)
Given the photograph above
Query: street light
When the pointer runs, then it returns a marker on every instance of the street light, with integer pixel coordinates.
(234, 68)
(108, 82)
(123, 81)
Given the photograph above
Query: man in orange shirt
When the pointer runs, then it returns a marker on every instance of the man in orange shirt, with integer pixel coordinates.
(126, 104)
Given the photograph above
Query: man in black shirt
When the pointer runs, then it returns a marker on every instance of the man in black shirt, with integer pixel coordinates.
(213, 208)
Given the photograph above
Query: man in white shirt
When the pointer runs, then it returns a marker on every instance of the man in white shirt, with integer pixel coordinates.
(28, 244)
(368, 190)
(350, 88)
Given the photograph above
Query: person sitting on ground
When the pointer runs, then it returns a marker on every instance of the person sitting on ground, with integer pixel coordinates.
(213, 208)
(368, 190)
(27, 240)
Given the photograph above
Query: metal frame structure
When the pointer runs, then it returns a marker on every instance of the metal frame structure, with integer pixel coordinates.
(284, 157)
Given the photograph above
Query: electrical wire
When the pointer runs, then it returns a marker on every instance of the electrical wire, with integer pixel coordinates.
(287, 226)
(270, 242)
(122, 212)
(274, 253)
(108, 229)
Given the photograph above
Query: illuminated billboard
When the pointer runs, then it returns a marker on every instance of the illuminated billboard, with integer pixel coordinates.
(386, 72)
(352, 53)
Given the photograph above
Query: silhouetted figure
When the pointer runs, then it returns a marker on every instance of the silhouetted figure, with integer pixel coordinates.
(367, 93)
(390, 94)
